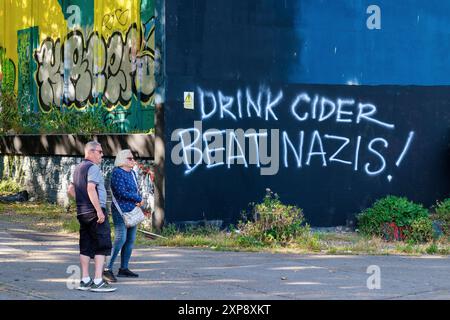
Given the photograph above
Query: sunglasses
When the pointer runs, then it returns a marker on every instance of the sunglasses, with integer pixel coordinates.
(130, 158)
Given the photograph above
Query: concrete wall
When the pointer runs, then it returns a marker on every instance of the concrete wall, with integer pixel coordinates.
(47, 177)
(44, 164)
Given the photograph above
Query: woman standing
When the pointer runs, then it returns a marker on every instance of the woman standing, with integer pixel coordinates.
(125, 190)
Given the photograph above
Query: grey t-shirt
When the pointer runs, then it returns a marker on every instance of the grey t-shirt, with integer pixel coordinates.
(95, 176)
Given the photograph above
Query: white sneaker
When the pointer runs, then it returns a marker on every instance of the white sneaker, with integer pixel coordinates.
(102, 287)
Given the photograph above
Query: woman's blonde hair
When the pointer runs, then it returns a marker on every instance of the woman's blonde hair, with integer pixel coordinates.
(121, 157)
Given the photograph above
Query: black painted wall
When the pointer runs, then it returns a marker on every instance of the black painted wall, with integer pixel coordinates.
(383, 139)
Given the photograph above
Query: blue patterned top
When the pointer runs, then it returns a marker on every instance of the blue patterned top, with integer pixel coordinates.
(124, 189)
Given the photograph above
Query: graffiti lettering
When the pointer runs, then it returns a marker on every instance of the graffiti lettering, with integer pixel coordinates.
(346, 142)
(254, 105)
(78, 80)
(193, 141)
(83, 69)
(380, 156)
(49, 76)
(120, 15)
(302, 107)
(328, 108)
(225, 147)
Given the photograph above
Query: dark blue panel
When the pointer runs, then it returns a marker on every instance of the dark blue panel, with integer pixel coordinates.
(231, 39)
(310, 41)
(317, 48)
(410, 48)
(400, 148)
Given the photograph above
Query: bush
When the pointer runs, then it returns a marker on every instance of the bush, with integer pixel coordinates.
(169, 230)
(9, 113)
(89, 121)
(249, 241)
(309, 240)
(421, 230)
(432, 249)
(442, 210)
(272, 222)
(92, 120)
(391, 214)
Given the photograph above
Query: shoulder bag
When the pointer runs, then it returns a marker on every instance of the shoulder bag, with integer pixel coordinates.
(133, 217)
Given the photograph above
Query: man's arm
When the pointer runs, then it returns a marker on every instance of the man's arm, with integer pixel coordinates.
(71, 191)
(93, 196)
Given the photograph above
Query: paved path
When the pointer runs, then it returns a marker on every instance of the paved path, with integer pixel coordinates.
(34, 266)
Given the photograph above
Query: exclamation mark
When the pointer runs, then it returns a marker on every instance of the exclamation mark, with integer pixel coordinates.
(405, 149)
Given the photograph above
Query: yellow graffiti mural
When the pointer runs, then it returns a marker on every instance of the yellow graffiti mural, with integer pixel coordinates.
(79, 53)
(23, 14)
(116, 15)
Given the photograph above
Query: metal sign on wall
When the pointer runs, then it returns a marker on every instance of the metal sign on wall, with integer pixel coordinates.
(331, 106)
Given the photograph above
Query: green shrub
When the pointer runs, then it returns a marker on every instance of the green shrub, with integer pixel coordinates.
(272, 222)
(30, 122)
(406, 249)
(91, 120)
(442, 209)
(9, 113)
(421, 230)
(432, 249)
(391, 210)
(249, 241)
(308, 240)
(169, 230)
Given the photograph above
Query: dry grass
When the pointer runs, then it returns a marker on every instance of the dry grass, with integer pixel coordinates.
(55, 219)
(40, 217)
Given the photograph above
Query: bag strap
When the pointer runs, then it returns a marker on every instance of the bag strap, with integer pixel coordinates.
(114, 199)
(115, 203)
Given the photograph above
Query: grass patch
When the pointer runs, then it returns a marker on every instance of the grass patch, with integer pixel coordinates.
(40, 216)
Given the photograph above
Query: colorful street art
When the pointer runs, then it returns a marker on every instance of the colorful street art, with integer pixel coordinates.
(80, 54)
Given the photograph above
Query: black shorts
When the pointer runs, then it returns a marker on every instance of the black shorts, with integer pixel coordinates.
(95, 238)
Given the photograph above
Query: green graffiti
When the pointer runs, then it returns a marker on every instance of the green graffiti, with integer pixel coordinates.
(147, 9)
(118, 120)
(9, 72)
(26, 67)
(23, 50)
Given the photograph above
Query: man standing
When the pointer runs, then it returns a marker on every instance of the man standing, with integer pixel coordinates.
(88, 189)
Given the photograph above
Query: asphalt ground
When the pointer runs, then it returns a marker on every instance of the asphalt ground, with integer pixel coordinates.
(45, 266)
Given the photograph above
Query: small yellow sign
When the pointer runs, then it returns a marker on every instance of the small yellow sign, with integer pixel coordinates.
(189, 100)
